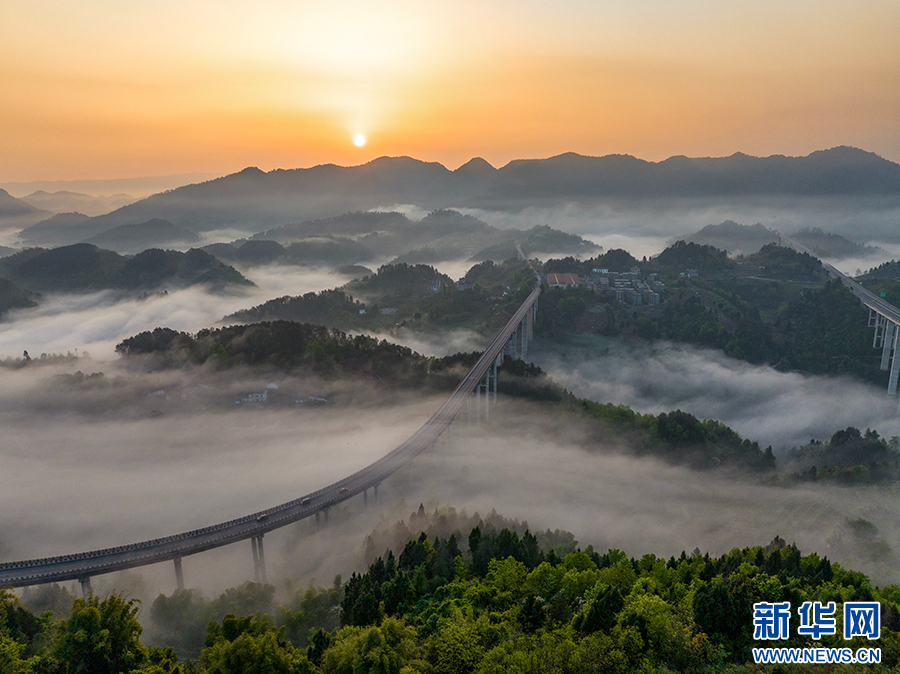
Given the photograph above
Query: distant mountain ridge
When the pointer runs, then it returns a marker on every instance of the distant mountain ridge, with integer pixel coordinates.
(65, 201)
(440, 236)
(18, 213)
(253, 200)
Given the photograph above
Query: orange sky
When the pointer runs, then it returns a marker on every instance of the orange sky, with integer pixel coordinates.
(107, 89)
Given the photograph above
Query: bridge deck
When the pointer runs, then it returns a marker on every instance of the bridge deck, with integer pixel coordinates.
(878, 305)
(96, 562)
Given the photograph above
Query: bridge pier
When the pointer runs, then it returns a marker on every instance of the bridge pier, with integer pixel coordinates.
(889, 339)
(259, 559)
(879, 322)
(375, 489)
(509, 349)
(895, 369)
(262, 559)
(478, 403)
(486, 384)
(524, 336)
(179, 574)
(326, 515)
(365, 498)
(85, 586)
(497, 362)
(531, 314)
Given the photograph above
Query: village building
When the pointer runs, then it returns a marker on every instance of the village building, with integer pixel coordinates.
(563, 280)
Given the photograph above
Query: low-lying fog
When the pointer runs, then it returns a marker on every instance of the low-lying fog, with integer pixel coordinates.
(96, 322)
(82, 468)
(776, 408)
(69, 484)
(859, 219)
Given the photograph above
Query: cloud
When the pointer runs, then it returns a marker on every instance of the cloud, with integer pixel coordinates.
(523, 466)
(858, 219)
(781, 409)
(96, 322)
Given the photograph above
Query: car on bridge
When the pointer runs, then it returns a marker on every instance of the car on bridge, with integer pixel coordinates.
(344, 490)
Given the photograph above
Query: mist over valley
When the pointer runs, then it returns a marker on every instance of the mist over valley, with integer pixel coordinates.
(740, 405)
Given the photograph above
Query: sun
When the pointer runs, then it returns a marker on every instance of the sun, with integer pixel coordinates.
(359, 140)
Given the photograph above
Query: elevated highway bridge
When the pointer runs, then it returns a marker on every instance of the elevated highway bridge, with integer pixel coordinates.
(883, 316)
(511, 340)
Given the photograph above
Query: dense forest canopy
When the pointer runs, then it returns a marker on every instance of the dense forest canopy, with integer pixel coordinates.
(675, 436)
(487, 598)
(84, 266)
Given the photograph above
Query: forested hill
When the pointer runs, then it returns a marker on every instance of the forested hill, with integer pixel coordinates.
(417, 296)
(676, 436)
(775, 306)
(84, 266)
(484, 600)
(848, 458)
(14, 297)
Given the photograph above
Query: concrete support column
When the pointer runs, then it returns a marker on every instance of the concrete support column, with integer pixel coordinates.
(365, 498)
(880, 324)
(179, 574)
(85, 585)
(262, 559)
(889, 331)
(486, 383)
(253, 544)
(478, 403)
(524, 330)
(326, 516)
(317, 520)
(375, 489)
(496, 364)
(895, 366)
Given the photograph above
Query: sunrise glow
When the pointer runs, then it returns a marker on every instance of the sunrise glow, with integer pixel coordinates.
(193, 86)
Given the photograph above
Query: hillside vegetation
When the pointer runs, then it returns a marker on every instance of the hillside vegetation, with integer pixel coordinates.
(84, 266)
(482, 599)
(775, 306)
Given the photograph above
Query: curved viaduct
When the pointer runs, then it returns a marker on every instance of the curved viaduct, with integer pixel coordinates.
(81, 566)
(883, 316)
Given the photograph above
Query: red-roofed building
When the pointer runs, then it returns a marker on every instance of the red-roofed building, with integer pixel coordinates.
(563, 280)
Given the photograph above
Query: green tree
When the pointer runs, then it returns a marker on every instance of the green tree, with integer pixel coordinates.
(100, 637)
(11, 661)
(372, 650)
(250, 645)
(254, 654)
(456, 649)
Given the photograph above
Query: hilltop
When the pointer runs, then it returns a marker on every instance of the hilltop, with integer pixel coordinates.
(734, 238)
(828, 244)
(253, 200)
(16, 213)
(84, 266)
(357, 238)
